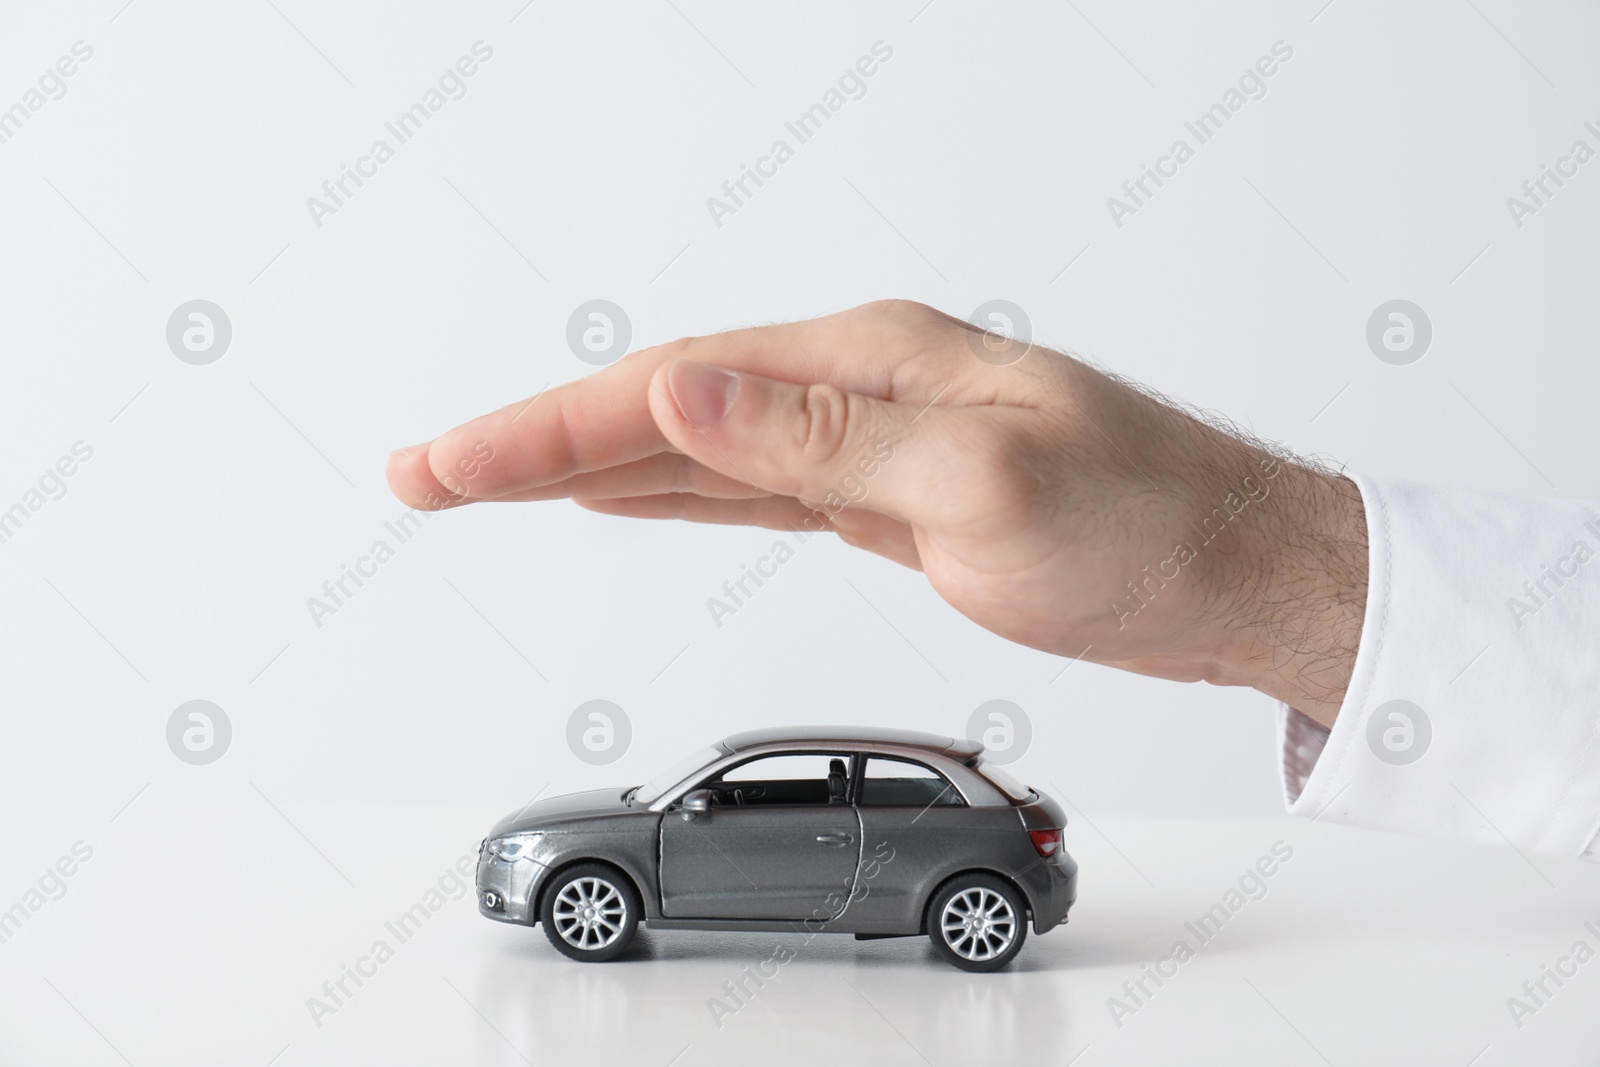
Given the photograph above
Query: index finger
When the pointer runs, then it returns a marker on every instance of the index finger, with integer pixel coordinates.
(604, 419)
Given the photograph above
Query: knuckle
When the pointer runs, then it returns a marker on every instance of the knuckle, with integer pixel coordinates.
(668, 352)
(898, 310)
(1009, 462)
(681, 348)
(828, 422)
(684, 474)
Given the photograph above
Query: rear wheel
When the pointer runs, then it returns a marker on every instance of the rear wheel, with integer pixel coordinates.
(590, 912)
(977, 922)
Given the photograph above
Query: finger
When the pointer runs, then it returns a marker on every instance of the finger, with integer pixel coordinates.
(770, 512)
(878, 534)
(413, 481)
(664, 472)
(814, 442)
(861, 529)
(604, 420)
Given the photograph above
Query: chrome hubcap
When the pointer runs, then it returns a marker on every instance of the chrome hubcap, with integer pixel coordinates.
(589, 913)
(978, 924)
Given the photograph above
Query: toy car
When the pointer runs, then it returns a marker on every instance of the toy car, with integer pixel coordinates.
(877, 833)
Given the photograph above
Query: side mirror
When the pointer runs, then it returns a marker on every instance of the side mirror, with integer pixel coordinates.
(696, 802)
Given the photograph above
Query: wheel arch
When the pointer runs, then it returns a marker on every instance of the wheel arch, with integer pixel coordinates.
(554, 873)
(933, 894)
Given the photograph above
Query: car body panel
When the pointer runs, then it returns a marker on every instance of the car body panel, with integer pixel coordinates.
(777, 862)
(569, 810)
(592, 825)
(851, 737)
(925, 846)
(1042, 813)
(1052, 888)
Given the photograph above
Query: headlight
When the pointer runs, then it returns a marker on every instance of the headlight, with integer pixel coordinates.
(514, 846)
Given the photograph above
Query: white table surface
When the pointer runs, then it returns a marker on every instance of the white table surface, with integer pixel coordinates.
(196, 934)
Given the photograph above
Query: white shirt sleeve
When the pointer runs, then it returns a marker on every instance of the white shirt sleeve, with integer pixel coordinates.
(1483, 623)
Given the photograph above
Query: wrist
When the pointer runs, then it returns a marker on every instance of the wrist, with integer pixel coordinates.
(1300, 594)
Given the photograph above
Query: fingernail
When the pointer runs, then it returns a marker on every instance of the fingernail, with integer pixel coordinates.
(402, 453)
(702, 392)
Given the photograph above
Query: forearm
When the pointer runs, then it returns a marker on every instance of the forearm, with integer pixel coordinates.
(1266, 581)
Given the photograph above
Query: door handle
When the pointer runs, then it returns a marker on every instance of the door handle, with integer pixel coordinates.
(833, 839)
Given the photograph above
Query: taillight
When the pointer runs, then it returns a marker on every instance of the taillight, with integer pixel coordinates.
(1046, 842)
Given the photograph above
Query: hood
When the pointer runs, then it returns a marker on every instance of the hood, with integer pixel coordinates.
(556, 812)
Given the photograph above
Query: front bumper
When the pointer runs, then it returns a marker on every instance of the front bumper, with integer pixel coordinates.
(506, 888)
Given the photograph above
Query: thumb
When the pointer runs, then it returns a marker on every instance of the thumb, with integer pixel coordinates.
(813, 442)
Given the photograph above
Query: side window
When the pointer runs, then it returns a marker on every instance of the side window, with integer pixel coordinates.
(811, 778)
(897, 783)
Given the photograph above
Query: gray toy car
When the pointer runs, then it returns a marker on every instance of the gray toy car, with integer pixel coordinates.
(877, 833)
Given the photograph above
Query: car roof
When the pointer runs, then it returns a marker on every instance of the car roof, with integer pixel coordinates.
(960, 750)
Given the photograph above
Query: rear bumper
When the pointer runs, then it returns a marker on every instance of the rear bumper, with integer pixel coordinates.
(1052, 888)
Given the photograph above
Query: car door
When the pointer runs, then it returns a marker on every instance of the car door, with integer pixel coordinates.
(915, 824)
(780, 842)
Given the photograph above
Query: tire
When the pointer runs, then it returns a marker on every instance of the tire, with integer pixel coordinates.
(977, 922)
(597, 935)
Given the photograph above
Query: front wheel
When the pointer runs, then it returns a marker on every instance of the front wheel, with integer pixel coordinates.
(977, 922)
(590, 912)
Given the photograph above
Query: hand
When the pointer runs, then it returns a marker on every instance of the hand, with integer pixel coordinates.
(1046, 501)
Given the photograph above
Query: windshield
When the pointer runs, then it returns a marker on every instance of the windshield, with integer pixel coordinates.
(651, 791)
(1003, 781)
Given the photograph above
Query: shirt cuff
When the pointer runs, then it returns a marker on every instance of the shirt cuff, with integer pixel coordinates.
(1473, 711)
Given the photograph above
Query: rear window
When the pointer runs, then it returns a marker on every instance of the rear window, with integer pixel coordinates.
(1001, 779)
(891, 783)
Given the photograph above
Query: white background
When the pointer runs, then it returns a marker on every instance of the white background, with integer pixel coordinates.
(178, 563)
